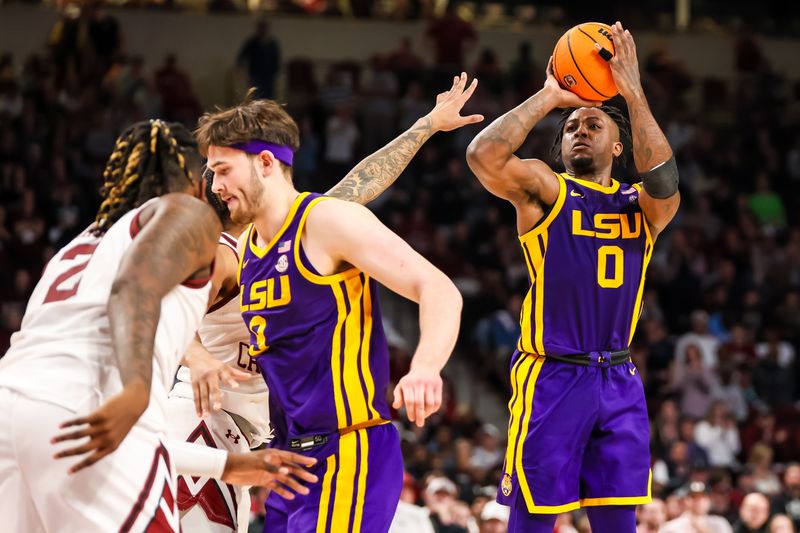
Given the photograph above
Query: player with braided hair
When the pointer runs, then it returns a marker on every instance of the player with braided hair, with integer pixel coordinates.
(98, 349)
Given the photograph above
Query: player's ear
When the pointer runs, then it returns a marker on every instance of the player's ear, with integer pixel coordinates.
(618, 148)
(266, 162)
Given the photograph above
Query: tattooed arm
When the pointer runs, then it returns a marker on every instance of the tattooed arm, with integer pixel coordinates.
(375, 173)
(650, 145)
(529, 184)
(177, 242)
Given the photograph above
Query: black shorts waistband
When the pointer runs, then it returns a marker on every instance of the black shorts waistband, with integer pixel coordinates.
(594, 358)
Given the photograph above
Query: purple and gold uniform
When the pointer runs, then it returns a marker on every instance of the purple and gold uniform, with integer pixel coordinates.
(319, 343)
(578, 435)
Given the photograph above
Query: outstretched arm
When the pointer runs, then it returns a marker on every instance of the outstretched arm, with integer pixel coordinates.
(651, 150)
(491, 154)
(178, 239)
(340, 230)
(376, 173)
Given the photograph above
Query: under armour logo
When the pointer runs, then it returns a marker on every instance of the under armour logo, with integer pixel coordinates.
(234, 438)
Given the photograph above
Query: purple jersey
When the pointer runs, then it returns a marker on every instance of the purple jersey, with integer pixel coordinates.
(586, 261)
(318, 340)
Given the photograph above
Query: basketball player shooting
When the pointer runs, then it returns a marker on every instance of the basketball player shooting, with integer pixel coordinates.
(578, 431)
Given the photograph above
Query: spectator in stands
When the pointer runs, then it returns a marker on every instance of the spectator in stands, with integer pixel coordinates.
(760, 463)
(781, 523)
(719, 436)
(651, 516)
(753, 514)
(788, 501)
(695, 383)
(260, 56)
(699, 336)
(494, 518)
(695, 518)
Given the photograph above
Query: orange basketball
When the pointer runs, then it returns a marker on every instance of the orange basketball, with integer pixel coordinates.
(578, 66)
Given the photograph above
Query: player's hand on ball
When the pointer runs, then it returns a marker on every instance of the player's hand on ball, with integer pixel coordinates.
(207, 373)
(421, 392)
(446, 116)
(564, 98)
(624, 65)
(278, 470)
(105, 428)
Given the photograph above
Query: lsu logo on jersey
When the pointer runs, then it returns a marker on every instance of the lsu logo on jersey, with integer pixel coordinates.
(265, 294)
(607, 225)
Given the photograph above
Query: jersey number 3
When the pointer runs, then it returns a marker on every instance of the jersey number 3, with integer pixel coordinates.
(66, 285)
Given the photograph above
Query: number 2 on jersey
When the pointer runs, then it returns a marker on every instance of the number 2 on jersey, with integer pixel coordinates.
(603, 254)
(257, 325)
(58, 291)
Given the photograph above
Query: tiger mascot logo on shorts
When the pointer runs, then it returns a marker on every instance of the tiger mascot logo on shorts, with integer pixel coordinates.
(506, 485)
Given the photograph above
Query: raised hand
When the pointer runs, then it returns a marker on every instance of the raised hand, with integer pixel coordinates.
(564, 98)
(624, 65)
(446, 116)
(421, 392)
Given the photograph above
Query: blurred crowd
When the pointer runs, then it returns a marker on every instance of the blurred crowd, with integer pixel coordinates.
(717, 342)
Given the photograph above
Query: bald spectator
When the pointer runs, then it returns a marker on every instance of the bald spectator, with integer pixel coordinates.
(651, 516)
(695, 519)
(753, 514)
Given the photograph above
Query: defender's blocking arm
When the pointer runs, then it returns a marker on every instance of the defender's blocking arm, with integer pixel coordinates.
(376, 173)
(651, 151)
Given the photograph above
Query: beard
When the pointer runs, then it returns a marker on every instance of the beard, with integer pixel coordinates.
(249, 200)
(582, 164)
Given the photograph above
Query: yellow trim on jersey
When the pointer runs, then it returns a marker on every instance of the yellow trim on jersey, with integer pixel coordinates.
(365, 350)
(305, 272)
(638, 303)
(336, 360)
(345, 483)
(557, 205)
(325, 494)
(528, 408)
(530, 242)
(615, 500)
(538, 259)
(524, 344)
(361, 488)
(610, 189)
(353, 391)
(515, 408)
(261, 252)
(246, 233)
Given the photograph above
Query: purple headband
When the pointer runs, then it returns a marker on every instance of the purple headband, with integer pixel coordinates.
(281, 152)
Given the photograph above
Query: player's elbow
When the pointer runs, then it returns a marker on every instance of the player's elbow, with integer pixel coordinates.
(478, 153)
(446, 293)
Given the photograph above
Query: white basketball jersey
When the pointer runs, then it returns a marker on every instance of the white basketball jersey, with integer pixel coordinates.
(224, 334)
(63, 351)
